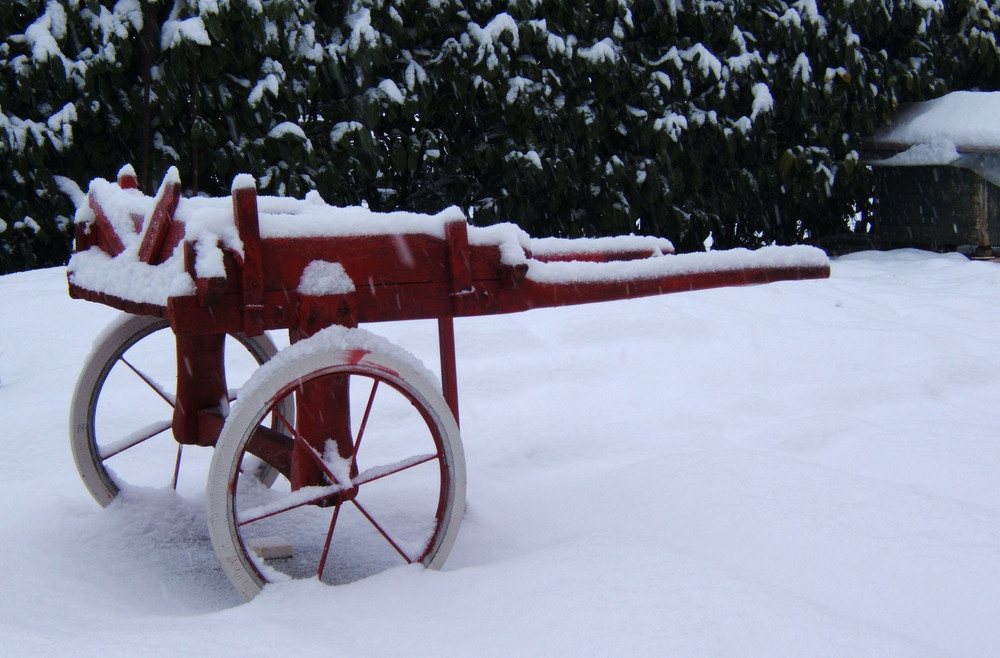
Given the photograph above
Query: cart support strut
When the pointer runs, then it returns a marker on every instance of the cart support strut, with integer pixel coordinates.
(449, 370)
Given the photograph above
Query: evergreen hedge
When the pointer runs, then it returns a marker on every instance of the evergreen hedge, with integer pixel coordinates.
(728, 123)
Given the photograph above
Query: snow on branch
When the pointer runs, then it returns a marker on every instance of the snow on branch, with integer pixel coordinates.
(604, 51)
(390, 90)
(175, 32)
(273, 76)
(57, 129)
(362, 33)
(343, 129)
(488, 38)
(762, 100)
(116, 21)
(44, 34)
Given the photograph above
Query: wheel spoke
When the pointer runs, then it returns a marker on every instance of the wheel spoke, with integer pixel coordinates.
(364, 420)
(381, 531)
(117, 423)
(379, 472)
(177, 466)
(326, 544)
(311, 451)
(296, 499)
(273, 448)
(144, 434)
(290, 426)
(157, 388)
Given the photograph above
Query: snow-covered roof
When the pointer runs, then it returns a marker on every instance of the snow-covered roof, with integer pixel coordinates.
(939, 131)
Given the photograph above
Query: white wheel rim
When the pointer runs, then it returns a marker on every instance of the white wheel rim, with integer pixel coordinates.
(247, 570)
(106, 389)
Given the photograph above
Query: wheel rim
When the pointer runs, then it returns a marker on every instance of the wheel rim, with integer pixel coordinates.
(396, 500)
(121, 426)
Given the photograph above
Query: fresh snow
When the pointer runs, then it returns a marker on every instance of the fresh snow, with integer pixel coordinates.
(797, 469)
(391, 91)
(969, 120)
(43, 34)
(209, 225)
(762, 99)
(802, 69)
(288, 128)
(325, 278)
(617, 244)
(940, 152)
(175, 32)
(679, 265)
(244, 182)
(602, 52)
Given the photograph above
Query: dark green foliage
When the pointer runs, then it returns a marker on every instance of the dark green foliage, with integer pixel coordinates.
(684, 118)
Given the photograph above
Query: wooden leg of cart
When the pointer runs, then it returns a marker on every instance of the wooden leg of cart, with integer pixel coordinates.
(324, 416)
(449, 369)
(202, 394)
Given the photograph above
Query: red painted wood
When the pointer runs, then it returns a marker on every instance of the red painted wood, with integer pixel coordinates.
(210, 422)
(174, 237)
(449, 369)
(83, 236)
(209, 291)
(159, 225)
(103, 233)
(319, 312)
(137, 308)
(459, 265)
(543, 295)
(323, 412)
(592, 256)
(273, 447)
(385, 302)
(127, 181)
(201, 385)
(186, 315)
(368, 260)
(245, 215)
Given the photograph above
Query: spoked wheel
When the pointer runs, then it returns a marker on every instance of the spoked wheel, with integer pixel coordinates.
(389, 491)
(120, 417)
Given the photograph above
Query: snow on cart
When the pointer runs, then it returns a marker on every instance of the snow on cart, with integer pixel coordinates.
(338, 456)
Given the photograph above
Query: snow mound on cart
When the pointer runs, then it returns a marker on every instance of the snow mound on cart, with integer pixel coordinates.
(208, 224)
(336, 339)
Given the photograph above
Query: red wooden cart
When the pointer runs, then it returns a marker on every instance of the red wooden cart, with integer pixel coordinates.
(340, 456)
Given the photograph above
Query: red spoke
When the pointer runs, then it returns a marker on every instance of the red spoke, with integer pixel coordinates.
(284, 421)
(177, 466)
(159, 390)
(377, 473)
(144, 434)
(324, 493)
(364, 419)
(382, 532)
(318, 458)
(326, 545)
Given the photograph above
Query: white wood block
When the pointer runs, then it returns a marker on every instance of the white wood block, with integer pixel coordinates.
(271, 548)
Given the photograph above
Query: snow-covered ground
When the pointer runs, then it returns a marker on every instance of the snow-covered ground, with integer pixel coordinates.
(804, 468)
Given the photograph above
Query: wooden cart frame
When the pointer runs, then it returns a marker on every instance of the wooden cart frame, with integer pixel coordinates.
(294, 419)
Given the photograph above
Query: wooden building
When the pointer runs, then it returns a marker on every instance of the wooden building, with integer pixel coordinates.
(937, 175)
